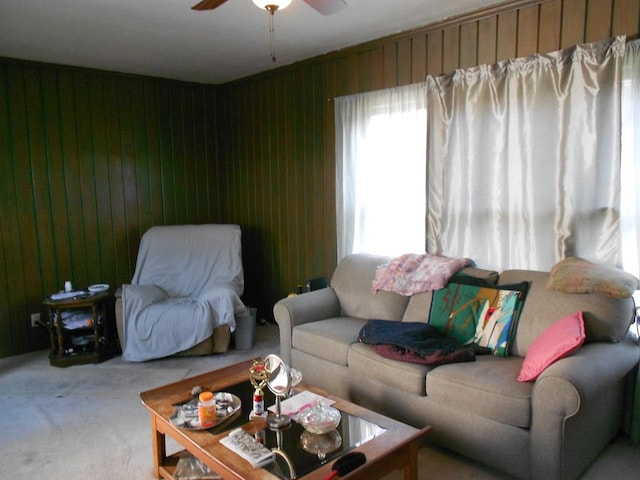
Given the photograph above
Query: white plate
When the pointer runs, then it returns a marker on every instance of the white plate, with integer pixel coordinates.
(99, 287)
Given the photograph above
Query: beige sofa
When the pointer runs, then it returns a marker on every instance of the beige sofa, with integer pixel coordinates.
(552, 428)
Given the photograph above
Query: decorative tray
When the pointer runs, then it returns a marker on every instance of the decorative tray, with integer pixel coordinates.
(186, 414)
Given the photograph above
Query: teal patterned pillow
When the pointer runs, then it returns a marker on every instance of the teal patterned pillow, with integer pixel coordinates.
(472, 312)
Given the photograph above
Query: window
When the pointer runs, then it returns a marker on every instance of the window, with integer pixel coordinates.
(381, 171)
(630, 166)
(508, 185)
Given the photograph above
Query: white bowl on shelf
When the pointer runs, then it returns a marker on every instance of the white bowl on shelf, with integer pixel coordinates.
(99, 287)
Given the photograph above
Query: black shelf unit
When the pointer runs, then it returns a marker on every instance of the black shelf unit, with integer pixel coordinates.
(81, 344)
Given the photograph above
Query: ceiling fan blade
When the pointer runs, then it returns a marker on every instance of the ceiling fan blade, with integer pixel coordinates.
(327, 7)
(208, 4)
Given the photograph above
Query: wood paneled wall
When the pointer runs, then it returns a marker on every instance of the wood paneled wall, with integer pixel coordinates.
(278, 179)
(279, 126)
(89, 160)
(515, 29)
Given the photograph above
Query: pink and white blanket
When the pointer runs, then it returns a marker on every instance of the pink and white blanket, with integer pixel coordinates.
(413, 273)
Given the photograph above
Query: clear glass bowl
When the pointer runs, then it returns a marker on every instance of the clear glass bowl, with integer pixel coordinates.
(319, 418)
(321, 444)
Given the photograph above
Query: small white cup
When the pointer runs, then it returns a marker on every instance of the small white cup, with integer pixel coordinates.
(67, 286)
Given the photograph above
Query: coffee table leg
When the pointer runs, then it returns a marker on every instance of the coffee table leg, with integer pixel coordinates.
(159, 447)
(411, 468)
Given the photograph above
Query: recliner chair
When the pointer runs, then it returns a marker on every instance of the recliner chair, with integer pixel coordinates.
(185, 293)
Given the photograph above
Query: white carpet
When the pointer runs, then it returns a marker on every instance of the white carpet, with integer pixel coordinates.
(86, 421)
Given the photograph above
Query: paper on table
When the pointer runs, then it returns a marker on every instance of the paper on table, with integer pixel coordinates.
(294, 405)
(75, 319)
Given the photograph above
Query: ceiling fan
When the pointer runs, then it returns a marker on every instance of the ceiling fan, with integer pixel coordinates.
(325, 7)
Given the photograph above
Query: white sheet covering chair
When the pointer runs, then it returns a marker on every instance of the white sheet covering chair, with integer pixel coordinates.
(185, 293)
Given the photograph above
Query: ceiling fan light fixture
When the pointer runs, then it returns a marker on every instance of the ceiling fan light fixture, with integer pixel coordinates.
(272, 5)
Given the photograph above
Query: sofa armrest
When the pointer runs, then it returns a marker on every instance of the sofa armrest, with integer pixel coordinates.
(577, 407)
(308, 307)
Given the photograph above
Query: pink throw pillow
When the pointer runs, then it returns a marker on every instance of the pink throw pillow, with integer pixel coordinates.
(557, 341)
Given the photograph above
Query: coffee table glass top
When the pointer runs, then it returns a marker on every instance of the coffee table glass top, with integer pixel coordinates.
(303, 451)
(300, 452)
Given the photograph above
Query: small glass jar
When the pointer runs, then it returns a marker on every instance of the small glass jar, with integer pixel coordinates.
(320, 418)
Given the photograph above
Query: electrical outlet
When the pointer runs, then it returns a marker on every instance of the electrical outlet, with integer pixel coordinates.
(35, 320)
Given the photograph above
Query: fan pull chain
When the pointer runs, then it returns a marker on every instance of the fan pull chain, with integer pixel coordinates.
(271, 36)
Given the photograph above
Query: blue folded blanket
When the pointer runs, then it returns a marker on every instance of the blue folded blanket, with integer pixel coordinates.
(415, 342)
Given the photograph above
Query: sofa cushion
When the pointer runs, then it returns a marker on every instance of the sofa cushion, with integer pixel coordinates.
(420, 304)
(353, 283)
(490, 277)
(605, 317)
(486, 387)
(328, 339)
(418, 308)
(409, 377)
(559, 340)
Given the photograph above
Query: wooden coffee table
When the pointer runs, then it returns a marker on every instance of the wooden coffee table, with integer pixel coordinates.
(394, 449)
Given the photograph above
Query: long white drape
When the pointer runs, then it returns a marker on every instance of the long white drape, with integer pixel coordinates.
(524, 159)
(523, 162)
(630, 187)
(381, 171)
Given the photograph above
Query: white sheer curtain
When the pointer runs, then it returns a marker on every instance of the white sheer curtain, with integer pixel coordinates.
(630, 188)
(381, 171)
(524, 159)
